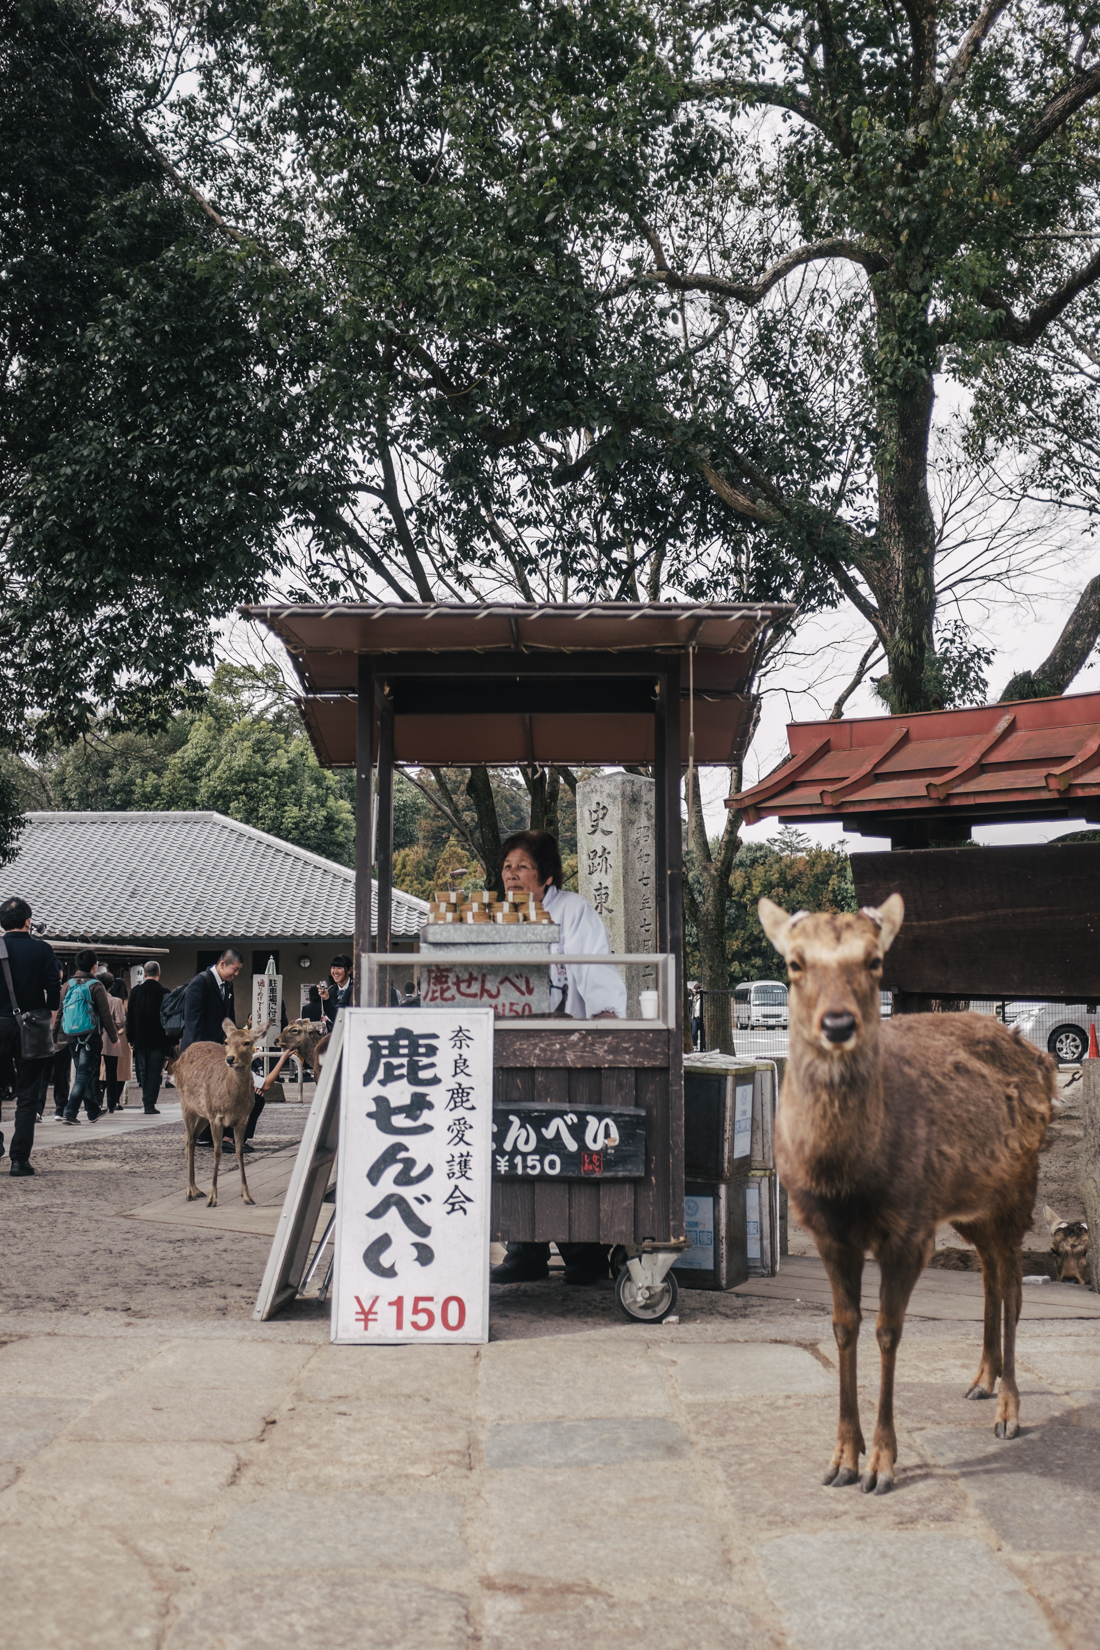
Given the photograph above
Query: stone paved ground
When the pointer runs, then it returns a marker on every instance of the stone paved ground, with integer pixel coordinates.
(177, 1476)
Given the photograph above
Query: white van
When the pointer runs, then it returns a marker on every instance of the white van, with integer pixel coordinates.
(761, 1004)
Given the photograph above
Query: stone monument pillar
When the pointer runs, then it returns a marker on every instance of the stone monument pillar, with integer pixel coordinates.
(617, 867)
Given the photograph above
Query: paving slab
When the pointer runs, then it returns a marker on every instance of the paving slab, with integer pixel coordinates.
(238, 1364)
(28, 1424)
(770, 1456)
(411, 1377)
(301, 1612)
(88, 1593)
(910, 1590)
(1069, 1589)
(292, 1531)
(581, 1526)
(572, 1376)
(945, 1296)
(1040, 1491)
(602, 1443)
(350, 1444)
(58, 1364)
(526, 1616)
(205, 1414)
(746, 1369)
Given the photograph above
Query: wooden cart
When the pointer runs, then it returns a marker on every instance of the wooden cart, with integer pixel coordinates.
(504, 684)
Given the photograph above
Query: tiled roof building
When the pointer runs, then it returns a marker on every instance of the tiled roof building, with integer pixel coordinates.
(185, 880)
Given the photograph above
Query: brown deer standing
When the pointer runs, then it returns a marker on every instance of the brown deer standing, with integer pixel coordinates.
(214, 1081)
(883, 1131)
(306, 1040)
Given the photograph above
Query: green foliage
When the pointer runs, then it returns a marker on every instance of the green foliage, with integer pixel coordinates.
(788, 869)
(108, 773)
(264, 777)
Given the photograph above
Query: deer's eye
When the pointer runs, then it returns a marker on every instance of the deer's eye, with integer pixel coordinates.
(874, 964)
(793, 967)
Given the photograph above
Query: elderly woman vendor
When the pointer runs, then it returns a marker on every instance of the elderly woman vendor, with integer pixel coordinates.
(532, 865)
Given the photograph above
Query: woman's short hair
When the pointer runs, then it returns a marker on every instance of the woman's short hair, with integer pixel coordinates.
(543, 850)
(341, 961)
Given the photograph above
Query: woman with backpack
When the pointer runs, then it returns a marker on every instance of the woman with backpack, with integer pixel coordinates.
(85, 1024)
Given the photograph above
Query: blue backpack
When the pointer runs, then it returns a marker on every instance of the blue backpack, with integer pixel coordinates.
(78, 1017)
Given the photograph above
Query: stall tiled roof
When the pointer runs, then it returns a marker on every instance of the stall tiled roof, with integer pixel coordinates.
(182, 876)
(1025, 759)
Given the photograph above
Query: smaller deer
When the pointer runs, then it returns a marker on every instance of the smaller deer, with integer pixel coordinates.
(1069, 1244)
(305, 1039)
(214, 1082)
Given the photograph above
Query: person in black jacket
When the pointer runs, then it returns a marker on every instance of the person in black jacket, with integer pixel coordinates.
(36, 982)
(341, 992)
(147, 1037)
(209, 1001)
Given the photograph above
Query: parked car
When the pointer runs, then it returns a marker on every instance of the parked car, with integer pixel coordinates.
(1061, 1028)
(760, 1005)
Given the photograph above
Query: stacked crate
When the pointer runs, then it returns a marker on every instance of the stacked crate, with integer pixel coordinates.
(484, 906)
(731, 1189)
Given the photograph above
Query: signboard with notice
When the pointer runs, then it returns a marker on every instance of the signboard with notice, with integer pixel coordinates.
(413, 1190)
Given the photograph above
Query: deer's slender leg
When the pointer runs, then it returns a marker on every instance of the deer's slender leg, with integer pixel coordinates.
(901, 1267)
(191, 1125)
(1008, 1400)
(845, 1269)
(216, 1136)
(238, 1142)
(985, 1381)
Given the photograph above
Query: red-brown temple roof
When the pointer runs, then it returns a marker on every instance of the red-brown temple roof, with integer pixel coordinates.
(1027, 759)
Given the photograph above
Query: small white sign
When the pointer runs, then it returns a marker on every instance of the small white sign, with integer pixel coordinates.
(742, 1120)
(699, 1227)
(413, 1187)
(267, 1004)
(752, 1221)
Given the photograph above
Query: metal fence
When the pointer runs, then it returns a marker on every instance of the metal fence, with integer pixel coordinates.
(1060, 1028)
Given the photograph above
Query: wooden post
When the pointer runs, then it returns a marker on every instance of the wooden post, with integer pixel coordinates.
(364, 762)
(383, 826)
(668, 1154)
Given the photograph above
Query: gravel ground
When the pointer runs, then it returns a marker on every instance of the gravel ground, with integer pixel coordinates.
(68, 1246)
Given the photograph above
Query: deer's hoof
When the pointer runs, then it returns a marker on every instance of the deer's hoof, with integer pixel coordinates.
(1006, 1429)
(212, 1201)
(191, 1196)
(248, 1199)
(838, 1478)
(876, 1483)
(979, 1391)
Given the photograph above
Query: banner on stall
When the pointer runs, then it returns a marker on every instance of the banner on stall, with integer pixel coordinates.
(414, 1178)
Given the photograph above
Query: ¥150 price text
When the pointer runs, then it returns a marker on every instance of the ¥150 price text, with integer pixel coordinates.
(421, 1315)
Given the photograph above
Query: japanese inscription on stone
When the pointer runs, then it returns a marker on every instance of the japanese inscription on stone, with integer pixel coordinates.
(412, 1226)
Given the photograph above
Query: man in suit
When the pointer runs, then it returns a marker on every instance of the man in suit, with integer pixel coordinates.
(146, 1036)
(209, 1001)
(36, 983)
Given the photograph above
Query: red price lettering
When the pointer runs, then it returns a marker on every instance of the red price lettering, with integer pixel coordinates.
(366, 1315)
(459, 1312)
(399, 1312)
(421, 1309)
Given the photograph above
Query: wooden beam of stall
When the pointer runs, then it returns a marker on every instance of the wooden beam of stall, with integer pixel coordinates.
(364, 801)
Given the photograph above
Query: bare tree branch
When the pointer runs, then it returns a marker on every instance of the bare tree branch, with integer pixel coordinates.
(1026, 331)
(969, 47)
(860, 673)
(1062, 105)
(1068, 654)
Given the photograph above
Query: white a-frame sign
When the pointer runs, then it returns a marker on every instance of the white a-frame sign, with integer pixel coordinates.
(413, 1187)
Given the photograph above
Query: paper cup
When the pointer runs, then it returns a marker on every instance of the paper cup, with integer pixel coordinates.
(649, 1002)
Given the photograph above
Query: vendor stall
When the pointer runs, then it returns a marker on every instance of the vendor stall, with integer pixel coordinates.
(610, 684)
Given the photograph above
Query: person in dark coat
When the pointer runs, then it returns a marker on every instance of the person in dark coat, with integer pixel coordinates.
(209, 1001)
(147, 1037)
(36, 982)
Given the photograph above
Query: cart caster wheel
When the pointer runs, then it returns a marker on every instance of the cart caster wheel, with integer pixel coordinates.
(643, 1304)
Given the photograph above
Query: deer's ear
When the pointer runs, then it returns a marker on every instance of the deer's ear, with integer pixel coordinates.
(774, 921)
(228, 1026)
(890, 913)
(1051, 1218)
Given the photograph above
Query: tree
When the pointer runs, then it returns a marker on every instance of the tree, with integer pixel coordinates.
(788, 869)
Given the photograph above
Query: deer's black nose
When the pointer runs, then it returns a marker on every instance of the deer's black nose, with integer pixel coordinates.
(838, 1027)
